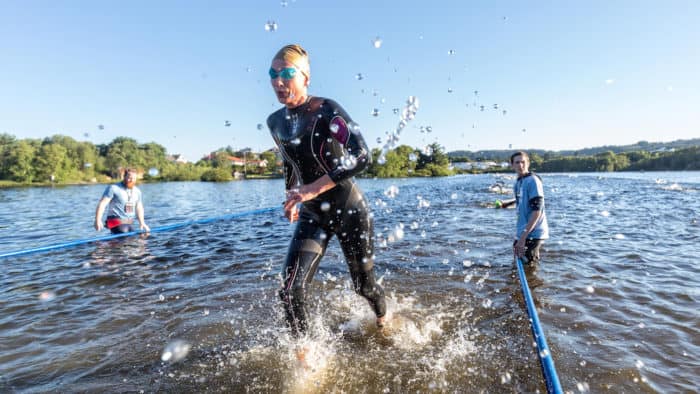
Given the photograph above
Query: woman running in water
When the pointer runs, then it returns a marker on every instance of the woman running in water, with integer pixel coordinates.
(322, 150)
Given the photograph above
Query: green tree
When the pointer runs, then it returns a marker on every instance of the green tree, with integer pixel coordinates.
(220, 159)
(122, 152)
(217, 175)
(51, 160)
(20, 160)
(7, 143)
(271, 158)
(434, 162)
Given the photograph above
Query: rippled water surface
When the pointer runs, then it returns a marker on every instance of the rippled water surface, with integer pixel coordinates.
(617, 292)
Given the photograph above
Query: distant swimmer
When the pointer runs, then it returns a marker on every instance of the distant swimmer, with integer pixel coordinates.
(322, 150)
(124, 203)
(499, 188)
(531, 227)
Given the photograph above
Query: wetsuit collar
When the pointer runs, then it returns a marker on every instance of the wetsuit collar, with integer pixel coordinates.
(300, 106)
(524, 176)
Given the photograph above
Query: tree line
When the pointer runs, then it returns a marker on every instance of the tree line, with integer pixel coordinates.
(686, 159)
(62, 159)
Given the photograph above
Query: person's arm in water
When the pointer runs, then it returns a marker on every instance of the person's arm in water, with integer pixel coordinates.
(139, 215)
(504, 203)
(99, 212)
(536, 204)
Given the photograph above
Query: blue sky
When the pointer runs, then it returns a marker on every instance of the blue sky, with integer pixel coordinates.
(568, 74)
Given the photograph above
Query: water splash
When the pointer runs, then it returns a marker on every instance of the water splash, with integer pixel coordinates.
(407, 114)
(175, 351)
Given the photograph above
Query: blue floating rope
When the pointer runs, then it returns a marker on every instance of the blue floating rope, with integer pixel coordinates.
(153, 230)
(546, 362)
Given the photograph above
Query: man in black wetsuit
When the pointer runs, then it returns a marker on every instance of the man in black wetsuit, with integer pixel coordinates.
(322, 150)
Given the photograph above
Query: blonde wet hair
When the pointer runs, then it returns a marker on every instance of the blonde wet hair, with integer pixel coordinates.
(295, 54)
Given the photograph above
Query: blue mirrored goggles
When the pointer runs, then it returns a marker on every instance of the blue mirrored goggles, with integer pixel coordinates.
(285, 73)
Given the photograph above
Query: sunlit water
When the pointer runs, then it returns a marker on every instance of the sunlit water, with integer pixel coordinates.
(196, 310)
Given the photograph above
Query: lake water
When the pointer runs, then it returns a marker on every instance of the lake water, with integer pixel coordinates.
(616, 292)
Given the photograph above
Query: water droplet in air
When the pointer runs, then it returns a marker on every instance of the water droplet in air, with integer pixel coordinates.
(227, 123)
(392, 191)
(412, 157)
(359, 77)
(175, 351)
(451, 52)
(377, 42)
(375, 112)
(334, 128)
(259, 126)
(505, 378)
(398, 232)
(348, 162)
(101, 127)
(153, 171)
(271, 26)
(296, 141)
(325, 206)
(395, 111)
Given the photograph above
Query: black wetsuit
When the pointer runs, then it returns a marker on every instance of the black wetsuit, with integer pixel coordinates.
(315, 139)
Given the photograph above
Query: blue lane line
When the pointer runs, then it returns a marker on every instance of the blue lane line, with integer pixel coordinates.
(548, 370)
(153, 230)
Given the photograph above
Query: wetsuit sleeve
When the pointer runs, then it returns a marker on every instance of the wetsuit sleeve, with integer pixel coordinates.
(356, 156)
(536, 203)
(290, 178)
(536, 194)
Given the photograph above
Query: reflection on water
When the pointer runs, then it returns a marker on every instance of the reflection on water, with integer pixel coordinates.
(196, 309)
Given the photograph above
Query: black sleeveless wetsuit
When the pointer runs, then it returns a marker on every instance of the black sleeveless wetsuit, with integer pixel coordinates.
(315, 139)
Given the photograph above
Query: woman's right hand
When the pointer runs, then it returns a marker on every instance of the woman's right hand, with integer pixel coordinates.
(291, 212)
(291, 206)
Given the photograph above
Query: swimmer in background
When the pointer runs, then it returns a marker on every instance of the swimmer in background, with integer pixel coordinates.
(531, 227)
(322, 151)
(125, 204)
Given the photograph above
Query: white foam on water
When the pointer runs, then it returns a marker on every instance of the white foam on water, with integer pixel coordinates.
(673, 187)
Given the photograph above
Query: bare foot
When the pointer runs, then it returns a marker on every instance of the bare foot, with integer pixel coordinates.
(381, 321)
(301, 357)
